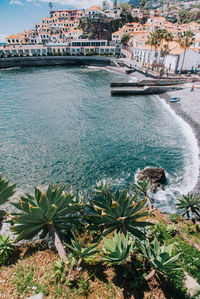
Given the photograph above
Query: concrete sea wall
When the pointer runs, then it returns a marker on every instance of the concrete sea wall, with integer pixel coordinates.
(53, 61)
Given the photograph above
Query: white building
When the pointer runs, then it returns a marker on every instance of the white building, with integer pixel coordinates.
(94, 11)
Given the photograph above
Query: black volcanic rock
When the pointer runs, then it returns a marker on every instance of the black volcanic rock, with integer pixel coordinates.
(155, 175)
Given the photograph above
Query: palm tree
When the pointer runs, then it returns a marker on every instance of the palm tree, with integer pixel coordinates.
(157, 38)
(50, 212)
(189, 204)
(154, 41)
(150, 42)
(143, 187)
(185, 41)
(6, 192)
(168, 37)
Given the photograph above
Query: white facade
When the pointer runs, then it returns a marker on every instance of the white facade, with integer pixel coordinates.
(191, 61)
(146, 56)
(171, 62)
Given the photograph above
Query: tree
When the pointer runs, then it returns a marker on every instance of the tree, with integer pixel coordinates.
(50, 212)
(157, 38)
(165, 50)
(185, 41)
(105, 5)
(154, 42)
(168, 37)
(143, 3)
(124, 6)
(116, 212)
(6, 192)
(125, 39)
(189, 204)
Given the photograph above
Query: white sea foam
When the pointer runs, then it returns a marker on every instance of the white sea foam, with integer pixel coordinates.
(187, 183)
(10, 68)
(191, 164)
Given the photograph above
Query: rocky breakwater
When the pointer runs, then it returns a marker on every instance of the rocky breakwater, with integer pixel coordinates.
(156, 176)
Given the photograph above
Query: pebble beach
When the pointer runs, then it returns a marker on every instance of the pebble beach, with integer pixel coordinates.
(189, 109)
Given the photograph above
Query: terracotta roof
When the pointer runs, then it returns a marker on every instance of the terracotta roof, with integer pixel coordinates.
(139, 32)
(117, 32)
(76, 30)
(196, 50)
(94, 7)
(12, 37)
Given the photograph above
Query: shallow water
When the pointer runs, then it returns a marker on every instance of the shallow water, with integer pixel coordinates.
(61, 125)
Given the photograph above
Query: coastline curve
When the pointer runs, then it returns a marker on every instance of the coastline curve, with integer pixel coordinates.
(192, 129)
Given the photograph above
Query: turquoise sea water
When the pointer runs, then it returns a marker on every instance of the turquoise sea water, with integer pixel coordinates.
(62, 125)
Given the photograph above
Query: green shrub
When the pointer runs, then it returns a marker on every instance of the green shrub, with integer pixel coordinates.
(171, 230)
(190, 259)
(59, 271)
(197, 226)
(173, 218)
(160, 232)
(7, 247)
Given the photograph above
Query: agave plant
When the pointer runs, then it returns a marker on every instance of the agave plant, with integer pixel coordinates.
(117, 249)
(143, 187)
(50, 212)
(7, 246)
(160, 257)
(102, 186)
(6, 192)
(189, 204)
(81, 252)
(118, 211)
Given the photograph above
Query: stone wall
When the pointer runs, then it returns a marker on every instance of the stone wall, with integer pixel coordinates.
(53, 61)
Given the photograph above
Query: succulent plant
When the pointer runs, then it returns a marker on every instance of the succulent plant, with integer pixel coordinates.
(117, 249)
(6, 192)
(80, 251)
(7, 246)
(160, 257)
(189, 204)
(119, 211)
(53, 212)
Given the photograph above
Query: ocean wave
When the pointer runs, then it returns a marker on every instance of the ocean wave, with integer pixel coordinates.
(180, 185)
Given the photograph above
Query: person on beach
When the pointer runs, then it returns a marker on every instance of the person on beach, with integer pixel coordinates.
(192, 88)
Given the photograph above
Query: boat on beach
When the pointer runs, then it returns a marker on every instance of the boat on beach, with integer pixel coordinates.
(174, 100)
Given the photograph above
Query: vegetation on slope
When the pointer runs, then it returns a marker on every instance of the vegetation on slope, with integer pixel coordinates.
(114, 247)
